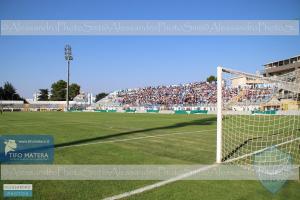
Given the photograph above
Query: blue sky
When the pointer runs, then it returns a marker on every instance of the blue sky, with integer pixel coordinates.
(107, 63)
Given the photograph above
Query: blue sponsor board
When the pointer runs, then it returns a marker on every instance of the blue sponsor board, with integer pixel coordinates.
(17, 193)
(26, 149)
(17, 190)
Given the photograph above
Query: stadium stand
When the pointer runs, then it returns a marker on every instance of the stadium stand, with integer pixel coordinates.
(6, 105)
(191, 98)
(199, 93)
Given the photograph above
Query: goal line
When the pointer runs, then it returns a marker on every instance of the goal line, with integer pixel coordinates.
(261, 150)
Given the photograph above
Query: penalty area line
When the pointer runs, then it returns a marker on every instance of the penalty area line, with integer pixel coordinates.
(160, 184)
(137, 138)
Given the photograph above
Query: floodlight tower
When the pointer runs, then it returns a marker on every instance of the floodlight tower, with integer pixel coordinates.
(68, 57)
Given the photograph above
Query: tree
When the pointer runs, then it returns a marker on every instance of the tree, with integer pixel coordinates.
(100, 96)
(43, 96)
(58, 91)
(74, 90)
(9, 92)
(1, 93)
(211, 79)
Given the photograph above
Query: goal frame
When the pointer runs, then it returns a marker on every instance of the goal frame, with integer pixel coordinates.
(293, 87)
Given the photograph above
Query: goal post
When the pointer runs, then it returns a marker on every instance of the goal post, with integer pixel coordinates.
(255, 114)
(219, 114)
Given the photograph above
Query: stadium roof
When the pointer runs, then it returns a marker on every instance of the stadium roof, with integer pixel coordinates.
(282, 60)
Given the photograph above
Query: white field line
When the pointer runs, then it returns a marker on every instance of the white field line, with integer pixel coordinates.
(160, 184)
(137, 138)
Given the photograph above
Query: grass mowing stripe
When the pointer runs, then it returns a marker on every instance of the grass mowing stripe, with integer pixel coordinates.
(187, 153)
(162, 145)
(137, 138)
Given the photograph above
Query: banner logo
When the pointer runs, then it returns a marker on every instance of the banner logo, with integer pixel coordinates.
(26, 149)
(10, 145)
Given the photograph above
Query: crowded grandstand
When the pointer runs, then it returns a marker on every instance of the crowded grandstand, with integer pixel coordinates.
(237, 92)
(197, 95)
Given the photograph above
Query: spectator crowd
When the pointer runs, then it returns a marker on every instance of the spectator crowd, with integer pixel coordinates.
(197, 93)
(192, 93)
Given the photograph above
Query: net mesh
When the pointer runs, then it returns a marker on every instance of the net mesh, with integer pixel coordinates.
(260, 114)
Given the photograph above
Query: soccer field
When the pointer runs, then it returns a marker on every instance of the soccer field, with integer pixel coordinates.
(119, 138)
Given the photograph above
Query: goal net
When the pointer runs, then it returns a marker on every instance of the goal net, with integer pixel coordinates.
(258, 118)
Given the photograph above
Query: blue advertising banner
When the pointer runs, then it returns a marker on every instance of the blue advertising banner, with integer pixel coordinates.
(26, 149)
(17, 190)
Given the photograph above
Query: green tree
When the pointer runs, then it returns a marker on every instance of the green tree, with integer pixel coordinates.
(1, 93)
(9, 92)
(58, 91)
(100, 96)
(211, 79)
(74, 90)
(43, 95)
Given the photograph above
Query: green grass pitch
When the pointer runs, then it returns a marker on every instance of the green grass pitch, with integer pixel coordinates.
(195, 145)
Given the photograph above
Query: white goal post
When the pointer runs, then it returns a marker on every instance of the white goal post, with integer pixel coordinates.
(219, 114)
(256, 113)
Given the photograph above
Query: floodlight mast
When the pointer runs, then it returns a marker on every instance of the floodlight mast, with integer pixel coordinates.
(68, 57)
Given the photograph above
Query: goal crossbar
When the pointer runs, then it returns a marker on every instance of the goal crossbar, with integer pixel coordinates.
(289, 86)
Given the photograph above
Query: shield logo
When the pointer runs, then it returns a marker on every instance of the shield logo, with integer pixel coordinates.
(273, 167)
